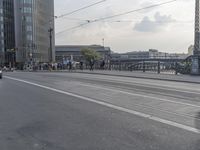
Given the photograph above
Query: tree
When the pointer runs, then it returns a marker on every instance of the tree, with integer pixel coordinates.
(90, 54)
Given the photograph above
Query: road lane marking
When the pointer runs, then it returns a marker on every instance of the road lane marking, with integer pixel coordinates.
(152, 108)
(143, 115)
(141, 95)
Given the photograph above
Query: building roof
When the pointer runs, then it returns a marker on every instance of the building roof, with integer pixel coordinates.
(79, 47)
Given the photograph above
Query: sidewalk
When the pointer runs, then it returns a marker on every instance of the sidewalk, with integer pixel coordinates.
(147, 75)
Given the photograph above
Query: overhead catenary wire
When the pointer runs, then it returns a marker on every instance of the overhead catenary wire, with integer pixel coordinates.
(72, 12)
(159, 22)
(134, 20)
(80, 9)
(114, 16)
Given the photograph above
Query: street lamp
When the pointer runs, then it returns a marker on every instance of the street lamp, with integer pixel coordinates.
(51, 30)
(50, 42)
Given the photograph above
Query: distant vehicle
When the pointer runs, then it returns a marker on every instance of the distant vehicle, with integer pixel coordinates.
(1, 74)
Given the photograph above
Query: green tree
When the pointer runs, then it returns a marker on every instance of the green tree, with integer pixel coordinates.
(90, 54)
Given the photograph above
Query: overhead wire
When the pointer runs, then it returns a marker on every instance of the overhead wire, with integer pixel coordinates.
(172, 21)
(80, 9)
(114, 16)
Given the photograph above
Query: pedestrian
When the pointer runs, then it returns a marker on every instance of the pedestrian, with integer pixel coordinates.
(70, 65)
(81, 65)
(102, 65)
(91, 65)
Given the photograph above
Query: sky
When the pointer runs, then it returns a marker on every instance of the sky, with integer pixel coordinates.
(167, 28)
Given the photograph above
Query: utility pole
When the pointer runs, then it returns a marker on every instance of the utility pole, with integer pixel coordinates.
(50, 42)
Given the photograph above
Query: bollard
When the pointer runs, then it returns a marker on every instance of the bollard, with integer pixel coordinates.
(143, 66)
(176, 68)
(158, 67)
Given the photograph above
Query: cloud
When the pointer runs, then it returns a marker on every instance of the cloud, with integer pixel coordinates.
(159, 22)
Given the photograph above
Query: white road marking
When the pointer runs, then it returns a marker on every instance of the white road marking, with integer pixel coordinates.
(171, 123)
(141, 95)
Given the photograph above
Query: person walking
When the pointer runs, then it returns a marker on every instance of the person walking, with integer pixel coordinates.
(91, 65)
(70, 65)
(81, 65)
(102, 65)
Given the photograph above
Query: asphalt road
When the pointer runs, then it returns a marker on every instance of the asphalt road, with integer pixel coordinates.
(72, 111)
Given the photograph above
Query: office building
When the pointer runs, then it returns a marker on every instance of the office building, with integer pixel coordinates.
(33, 21)
(7, 36)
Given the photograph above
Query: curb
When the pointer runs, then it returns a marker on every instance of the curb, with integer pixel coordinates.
(139, 77)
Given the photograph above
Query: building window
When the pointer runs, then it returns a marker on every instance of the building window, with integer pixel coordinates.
(29, 28)
(29, 37)
(28, 19)
(26, 10)
(26, 1)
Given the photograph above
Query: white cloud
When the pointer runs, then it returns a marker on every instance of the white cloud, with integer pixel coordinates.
(159, 22)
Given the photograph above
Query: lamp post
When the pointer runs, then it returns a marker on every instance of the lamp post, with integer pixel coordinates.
(51, 30)
(50, 44)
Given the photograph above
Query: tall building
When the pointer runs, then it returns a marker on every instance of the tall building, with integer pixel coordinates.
(33, 21)
(197, 29)
(196, 57)
(7, 36)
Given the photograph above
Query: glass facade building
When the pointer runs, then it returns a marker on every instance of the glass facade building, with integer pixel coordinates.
(33, 19)
(7, 34)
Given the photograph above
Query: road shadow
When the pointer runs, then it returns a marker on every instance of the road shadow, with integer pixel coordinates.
(197, 126)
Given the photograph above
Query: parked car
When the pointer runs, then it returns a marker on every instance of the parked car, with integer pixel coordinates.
(1, 74)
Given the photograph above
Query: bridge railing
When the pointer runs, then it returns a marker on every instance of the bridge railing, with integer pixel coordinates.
(146, 66)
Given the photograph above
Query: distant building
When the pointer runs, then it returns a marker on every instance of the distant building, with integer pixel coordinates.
(151, 54)
(66, 52)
